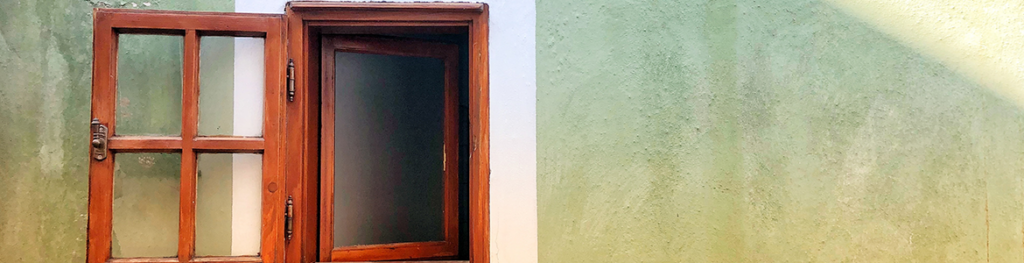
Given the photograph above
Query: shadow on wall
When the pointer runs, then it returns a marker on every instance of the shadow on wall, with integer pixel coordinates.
(789, 131)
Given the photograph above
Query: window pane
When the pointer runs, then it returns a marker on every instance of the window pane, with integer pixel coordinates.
(231, 84)
(149, 85)
(146, 201)
(228, 204)
(388, 149)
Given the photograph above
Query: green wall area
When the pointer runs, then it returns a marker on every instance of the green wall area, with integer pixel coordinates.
(45, 86)
(764, 131)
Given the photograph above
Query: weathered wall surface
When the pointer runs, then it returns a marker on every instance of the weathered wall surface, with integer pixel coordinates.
(45, 80)
(775, 131)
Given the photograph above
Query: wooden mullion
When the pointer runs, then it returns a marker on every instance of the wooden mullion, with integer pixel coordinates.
(144, 144)
(272, 233)
(451, 147)
(228, 144)
(189, 124)
(327, 150)
(143, 260)
(248, 259)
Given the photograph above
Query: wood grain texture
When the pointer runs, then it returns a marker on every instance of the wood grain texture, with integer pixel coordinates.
(143, 260)
(272, 233)
(413, 261)
(227, 260)
(189, 128)
(385, 6)
(176, 22)
(144, 143)
(391, 27)
(479, 141)
(327, 149)
(301, 144)
(101, 173)
(228, 144)
(399, 251)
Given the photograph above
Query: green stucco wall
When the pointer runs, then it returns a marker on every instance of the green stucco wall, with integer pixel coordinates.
(45, 83)
(771, 131)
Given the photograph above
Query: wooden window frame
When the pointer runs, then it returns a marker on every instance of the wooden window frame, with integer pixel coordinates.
(449, 55)
(305, 21)
(291, 136)
(107, 25)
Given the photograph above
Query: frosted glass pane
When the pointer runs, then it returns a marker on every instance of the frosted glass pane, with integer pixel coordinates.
(388, 149)
(146, 198)
(230, 89)
(228, 204)
(149, 85)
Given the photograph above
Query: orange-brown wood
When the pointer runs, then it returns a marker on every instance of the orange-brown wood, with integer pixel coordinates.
(401, 47)
(301, 143)
(391, 7)
(272, 233)
(108, 23)
(403, 15)
(176, 22)
(479, 141)
(421, 261)
(143, 260)
(306, 22)
(144, 143)
(327, 150)
(451, 145)
(189, 128)
(391, 27)
(228, 144)
(400, 251)
(227, 259)
(101, 173)
(341, 26)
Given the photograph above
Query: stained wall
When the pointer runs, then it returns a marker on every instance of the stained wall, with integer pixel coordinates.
(46, 72)
(779, 131)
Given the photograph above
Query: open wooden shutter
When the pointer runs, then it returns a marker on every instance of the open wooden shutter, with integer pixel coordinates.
(109, 140)
(365, 242)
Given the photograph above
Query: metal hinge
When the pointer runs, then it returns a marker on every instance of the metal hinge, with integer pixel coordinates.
(289, 215)
(291, 80)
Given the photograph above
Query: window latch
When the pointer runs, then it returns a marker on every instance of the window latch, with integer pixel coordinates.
(99, 140)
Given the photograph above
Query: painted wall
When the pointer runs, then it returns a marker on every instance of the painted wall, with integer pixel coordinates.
(780, 131)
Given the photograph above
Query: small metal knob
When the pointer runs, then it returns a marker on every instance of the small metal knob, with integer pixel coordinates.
(97, 143)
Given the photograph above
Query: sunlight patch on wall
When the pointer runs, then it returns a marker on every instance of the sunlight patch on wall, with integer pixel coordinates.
(980, 39)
